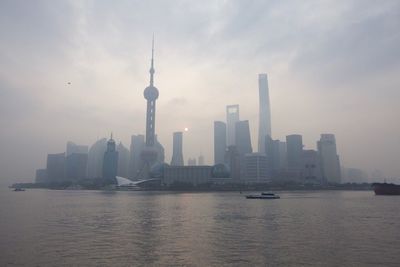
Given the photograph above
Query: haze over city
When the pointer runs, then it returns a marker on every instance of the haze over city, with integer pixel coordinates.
(76, 71)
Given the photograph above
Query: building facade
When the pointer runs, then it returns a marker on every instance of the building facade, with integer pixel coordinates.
(194, 175)
(329, 158)
(264, 127)
(256, 170)
(177, 154)
(232, 117)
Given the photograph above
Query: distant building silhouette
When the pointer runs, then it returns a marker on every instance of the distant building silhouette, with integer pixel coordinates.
(123, 161)
(329, 158)
(192, 162)
(55, 167)
(110, 162)
(294, 144)
(135, 161)
(256, 168)
(96, 157)
(41, 176)
(311, 169)
(194, 175)
(219, 141)
(201, 160)
(264, 128)
(74, 148)
(275, 151)
(177, 155)
(232, 117)
(232, 159)
(242, 137)
(76, 166)
(160, 151)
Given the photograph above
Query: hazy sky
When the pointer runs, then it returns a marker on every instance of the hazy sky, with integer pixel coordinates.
(333, 66)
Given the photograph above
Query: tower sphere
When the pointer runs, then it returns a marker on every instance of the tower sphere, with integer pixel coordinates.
(150, 93)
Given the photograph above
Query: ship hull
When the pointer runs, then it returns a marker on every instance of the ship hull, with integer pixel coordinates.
(386, 189)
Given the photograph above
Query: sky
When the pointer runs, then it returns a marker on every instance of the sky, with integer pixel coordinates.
(76, 71)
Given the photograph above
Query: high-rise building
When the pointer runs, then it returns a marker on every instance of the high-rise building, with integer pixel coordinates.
(264, 128)
(96, 157)
(177, 155)
(219, 141)
(275, 151)
(256, 168)
(242, 137)
(149, 153)
(76, 166)
(160, 151)
(55, 167)
(232, 159)
(123, 161)
(294, 144)
(110, 162)
(201, 160)
(192, 162)
(232, 117)
(74, 148)
(311, 169)
(329, 158)
(135, 161)
(41, 176)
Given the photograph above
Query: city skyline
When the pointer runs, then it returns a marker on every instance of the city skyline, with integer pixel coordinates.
(98, 87)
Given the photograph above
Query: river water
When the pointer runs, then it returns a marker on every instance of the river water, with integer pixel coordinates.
(95, 228)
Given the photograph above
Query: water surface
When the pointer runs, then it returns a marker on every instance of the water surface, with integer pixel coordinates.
(95, 228)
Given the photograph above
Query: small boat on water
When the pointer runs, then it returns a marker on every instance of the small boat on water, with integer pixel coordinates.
(19, 189)
(263, 196)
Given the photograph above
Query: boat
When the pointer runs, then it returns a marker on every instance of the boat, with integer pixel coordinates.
(386, 189)
(19, 189)
(263, 196)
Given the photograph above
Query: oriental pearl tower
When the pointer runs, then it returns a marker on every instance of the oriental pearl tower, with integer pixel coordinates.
(149, 153)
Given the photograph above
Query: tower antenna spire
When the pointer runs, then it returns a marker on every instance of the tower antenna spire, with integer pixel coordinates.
(152, 63)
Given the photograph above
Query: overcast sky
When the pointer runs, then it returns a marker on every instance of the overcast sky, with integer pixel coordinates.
(333, 67)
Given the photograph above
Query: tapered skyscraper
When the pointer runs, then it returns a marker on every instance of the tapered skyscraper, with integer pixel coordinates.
(177, 155)
(264, 127)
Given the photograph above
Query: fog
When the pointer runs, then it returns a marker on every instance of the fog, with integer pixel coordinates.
(76, 71)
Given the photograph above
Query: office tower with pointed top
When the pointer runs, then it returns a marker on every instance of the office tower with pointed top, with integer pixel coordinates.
(177, 155)
(110, 162)
(149, 153)
(264, 127)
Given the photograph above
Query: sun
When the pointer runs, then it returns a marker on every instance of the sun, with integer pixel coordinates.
(186, 129)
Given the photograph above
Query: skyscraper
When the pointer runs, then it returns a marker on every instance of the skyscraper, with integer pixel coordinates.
(135, 161)
(329, 158)
(232, 116)
(264, 128)
(177, 155)
(55, 167)
(219, 141)
(110, 162)
(201, 160)
(242, 137)
(96, 157)
(149, 153)
(76, 164)
(123, 161)
(294, 144)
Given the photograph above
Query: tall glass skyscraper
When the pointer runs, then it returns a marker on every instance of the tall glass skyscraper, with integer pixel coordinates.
(177, 155)
(264, 128)
(232, 116)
